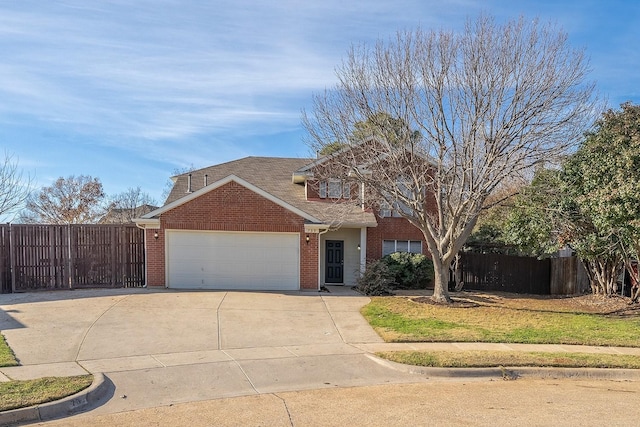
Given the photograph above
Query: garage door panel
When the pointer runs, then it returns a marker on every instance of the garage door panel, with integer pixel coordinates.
(224, 260)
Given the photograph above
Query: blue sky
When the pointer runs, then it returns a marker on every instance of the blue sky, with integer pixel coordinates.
(129, 90)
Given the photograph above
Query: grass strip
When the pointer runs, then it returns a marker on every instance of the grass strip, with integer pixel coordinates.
(488, 359)
(403, 320)
(7, 358)
(21, 394)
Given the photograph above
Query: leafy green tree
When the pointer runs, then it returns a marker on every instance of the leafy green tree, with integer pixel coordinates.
(382, 125)
(534, 224)
(603, 179)
(332, 148)
(489, 232)
(592, 204)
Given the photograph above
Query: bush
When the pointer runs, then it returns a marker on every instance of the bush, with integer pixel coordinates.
(410, 271)
(376, 280)
(399, 270)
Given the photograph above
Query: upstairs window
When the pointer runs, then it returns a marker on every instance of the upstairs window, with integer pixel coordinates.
(397, 208)
(334, 189)
(386, 211)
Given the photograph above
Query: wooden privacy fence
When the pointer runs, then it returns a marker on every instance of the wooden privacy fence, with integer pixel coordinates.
(497, 272)
(37, 257)
(568, 277)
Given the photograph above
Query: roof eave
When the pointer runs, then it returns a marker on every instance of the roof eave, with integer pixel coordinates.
(145, 223)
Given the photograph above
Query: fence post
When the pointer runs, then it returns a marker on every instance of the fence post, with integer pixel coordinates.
(114, 273)
(12, 257)
(52, 264)
(69, 258)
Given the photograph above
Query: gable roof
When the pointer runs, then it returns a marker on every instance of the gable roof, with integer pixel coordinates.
(220, 183)
(272, 178)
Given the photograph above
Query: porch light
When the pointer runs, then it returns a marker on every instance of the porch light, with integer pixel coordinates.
(308, 239)
(358, 246)
(155, 235)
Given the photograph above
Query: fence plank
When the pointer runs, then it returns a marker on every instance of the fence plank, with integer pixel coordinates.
(70, 256)
(5, 259)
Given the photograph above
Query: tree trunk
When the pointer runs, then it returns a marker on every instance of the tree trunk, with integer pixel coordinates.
(457, 272)
(634, 273)
(603, 275)
(441, 282)
(635, 293)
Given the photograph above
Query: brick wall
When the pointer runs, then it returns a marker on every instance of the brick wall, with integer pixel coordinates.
(155, 258)
(232, 207)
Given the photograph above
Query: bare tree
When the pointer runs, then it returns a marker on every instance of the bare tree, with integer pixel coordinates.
(130, 204)
(489, 104)
(14, 188)
(72, 200)
(169, 184)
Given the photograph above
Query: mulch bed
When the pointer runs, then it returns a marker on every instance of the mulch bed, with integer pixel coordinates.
(595, 304)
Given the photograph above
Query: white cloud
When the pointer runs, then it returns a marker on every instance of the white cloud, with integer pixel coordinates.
(123, 76)
(180, 81)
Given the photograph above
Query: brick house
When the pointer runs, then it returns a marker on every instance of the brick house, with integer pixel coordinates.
(266, 223)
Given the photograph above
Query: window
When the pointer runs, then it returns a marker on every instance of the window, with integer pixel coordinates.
(404, 192)
(322, 191)
(391, 246)
(386, 211)
(334, 189)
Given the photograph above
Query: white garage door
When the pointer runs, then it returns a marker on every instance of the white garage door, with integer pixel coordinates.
(225, 260)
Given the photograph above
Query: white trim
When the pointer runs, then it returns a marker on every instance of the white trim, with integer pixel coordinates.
(363, 249)
(144, 223)
(219, 184)
(320, 248)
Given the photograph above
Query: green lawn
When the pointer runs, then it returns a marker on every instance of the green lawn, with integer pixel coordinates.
(520, 321)
(485, 359)
(403, 320)
(20, 394)
(7, 358)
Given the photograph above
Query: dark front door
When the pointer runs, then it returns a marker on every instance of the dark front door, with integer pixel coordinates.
(334, 260)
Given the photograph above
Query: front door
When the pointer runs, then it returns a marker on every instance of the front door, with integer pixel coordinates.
(334, 261)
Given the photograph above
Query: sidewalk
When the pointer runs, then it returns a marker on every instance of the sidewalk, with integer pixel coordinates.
(155, 361)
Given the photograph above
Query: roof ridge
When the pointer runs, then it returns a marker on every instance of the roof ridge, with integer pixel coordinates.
(241, 159)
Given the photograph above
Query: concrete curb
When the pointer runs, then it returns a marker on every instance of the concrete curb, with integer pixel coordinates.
(512, 373)
(60, 408)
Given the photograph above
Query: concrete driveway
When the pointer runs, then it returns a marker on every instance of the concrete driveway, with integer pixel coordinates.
(85, 326)
(284, 358)
(165, 347)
